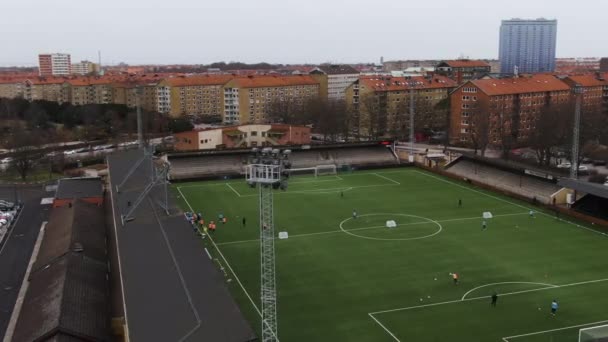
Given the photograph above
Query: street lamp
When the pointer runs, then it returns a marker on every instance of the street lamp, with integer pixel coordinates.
(578, 91)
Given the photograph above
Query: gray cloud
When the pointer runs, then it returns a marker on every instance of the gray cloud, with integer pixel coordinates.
(287, 31)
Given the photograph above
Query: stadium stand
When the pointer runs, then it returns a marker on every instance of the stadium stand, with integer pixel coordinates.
(220, 165)
(231, 163)
(67, 295)
(592, 199)
(185, 297)
(514, 180)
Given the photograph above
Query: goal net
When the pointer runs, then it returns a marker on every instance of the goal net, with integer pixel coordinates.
(593, 334)
(319, 170)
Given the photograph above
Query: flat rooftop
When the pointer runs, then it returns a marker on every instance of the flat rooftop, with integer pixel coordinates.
(172, 289)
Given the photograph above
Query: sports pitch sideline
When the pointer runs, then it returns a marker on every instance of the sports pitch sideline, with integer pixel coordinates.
(345, 279)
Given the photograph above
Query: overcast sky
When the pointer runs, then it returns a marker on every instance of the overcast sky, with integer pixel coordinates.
(284, 31)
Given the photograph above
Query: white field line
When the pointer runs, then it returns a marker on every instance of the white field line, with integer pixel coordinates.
(388, 179)
(208, 254)
(507, 339)
(486, 297)
(372, 227)
(234, 190)
(227, 264)
(504, 200)
(385, 328)
(505, 283)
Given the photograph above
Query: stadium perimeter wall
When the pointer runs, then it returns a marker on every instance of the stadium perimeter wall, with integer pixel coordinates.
(600, 225)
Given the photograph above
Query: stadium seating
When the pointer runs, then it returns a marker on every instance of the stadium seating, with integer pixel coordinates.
(206, 166)
(527, 186)
(234, 164)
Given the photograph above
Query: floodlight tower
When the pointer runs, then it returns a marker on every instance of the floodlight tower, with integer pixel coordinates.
(578, 91)
(412, 85)
(268, 169)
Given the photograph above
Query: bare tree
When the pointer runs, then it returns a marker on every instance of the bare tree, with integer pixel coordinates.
(479, 128)
(372, 116)
(550, 128)
(26, 148)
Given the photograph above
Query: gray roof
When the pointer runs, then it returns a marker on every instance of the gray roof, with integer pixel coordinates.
(83, 224)
(185, 297)
(67, 296)
(79, 188)
(595, 189)
(334, 69)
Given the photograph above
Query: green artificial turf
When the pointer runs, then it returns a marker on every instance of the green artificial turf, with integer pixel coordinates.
(345, 279)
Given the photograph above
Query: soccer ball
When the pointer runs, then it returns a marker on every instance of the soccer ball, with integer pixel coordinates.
(421, 299)
(435, 278)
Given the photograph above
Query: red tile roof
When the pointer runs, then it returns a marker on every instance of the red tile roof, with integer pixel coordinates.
(273, 81)
(465, 63)
(198, 80)
(389, 83)
(523, 84)
(590, 80)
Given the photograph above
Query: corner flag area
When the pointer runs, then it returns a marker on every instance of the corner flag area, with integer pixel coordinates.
(347, 278)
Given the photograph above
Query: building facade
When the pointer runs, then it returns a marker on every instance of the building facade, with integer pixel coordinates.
(242, 137)
(201, 95)
(595, 90)
(333, 80)
(250, 99)
(604, 64)
(54, 64)
(380, 104)
(494, 108)
(85, 68)
(463, 70)
(527, 46)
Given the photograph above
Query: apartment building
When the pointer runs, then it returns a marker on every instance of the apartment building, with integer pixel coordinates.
(89, 90)
(85, 68)
(201, 95)
(506, 106)
(381, 103)
(54, 64)
(47, 89)
(248, 99)
(11, 88)
(333, 80)
(463, 70)
(527, 45)
(595, 90)
(125, 91)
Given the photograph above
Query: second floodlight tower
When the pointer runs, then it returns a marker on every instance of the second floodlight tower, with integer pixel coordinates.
(268, 169)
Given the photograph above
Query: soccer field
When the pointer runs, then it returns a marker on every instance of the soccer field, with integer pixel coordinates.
(345, 279)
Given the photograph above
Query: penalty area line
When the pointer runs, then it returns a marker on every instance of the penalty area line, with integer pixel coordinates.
(509, 338)
(388, 179)
(486, 297)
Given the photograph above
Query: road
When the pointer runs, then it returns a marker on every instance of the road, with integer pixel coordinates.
(16, 251)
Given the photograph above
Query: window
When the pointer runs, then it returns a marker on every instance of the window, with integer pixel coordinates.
(254, 133)
(464, 130)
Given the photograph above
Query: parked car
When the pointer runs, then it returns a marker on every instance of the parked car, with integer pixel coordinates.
(599, 162)
(6, 160)
(564, 165)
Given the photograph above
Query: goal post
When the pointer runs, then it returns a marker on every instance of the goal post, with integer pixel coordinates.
(325, 170)
(594, 334)
(316, 171)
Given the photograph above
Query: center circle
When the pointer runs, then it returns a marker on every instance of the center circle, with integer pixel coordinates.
(388, 216)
